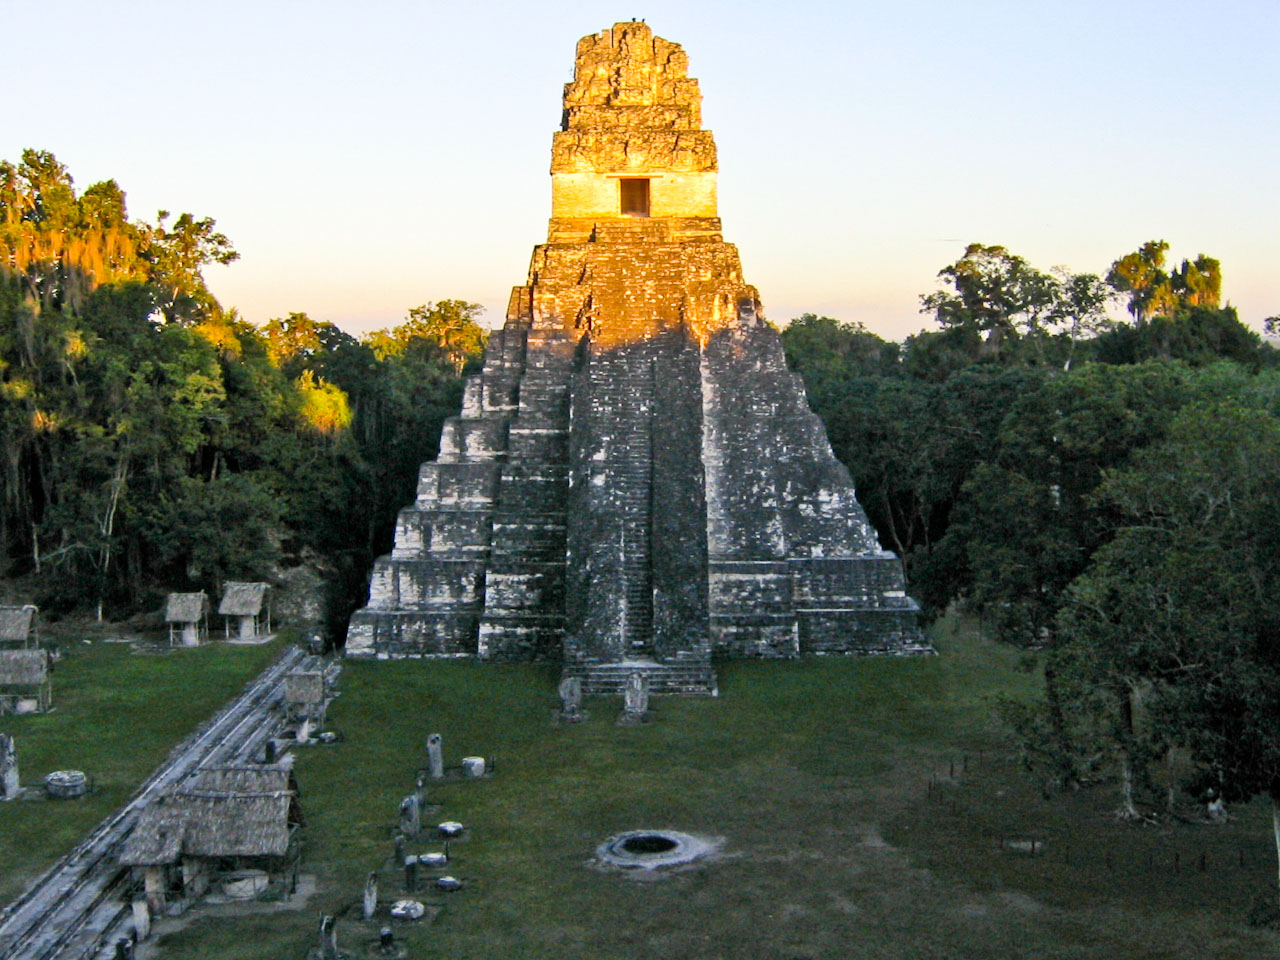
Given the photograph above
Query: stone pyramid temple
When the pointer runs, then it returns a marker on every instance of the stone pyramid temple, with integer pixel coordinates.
(636, 482)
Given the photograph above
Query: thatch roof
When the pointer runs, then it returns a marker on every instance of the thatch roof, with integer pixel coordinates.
(242, 599)
(22, 668)
(218, 812)
(304, 687)
(185, 607)
(15, 622)
(241, 779)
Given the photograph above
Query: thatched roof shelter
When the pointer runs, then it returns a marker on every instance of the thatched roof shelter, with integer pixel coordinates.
(185, 607)
(304, 688)
(15, 623)
(242, 599)
(23, 668)
(219, 812)
(241, 779)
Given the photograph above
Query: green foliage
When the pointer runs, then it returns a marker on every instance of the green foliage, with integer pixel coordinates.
(1005, 308)
(449, 326)
(207, 532)
(151, 439)
(1181, 604)
(827, 353)
(1197, 335)
(1154, 293)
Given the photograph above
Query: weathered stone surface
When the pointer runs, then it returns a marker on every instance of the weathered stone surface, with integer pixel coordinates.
(369, 903)
(635, 699)
(435, 756)
(9, 786)
(327, 949)
(570, 691)
(636, 482)
(410, 816)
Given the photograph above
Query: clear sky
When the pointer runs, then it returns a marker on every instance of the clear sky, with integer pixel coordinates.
(367, 157)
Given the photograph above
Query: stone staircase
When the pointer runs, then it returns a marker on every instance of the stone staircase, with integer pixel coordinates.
(622, 385)
(685, 678)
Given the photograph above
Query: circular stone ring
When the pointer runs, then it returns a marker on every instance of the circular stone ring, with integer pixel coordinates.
(651, 849)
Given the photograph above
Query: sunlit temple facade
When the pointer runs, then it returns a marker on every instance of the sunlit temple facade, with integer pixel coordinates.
(636, 482)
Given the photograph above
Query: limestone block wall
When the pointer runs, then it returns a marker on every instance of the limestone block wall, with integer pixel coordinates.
(524, 607)
(594, 195)
(635, 473)
(795, 567)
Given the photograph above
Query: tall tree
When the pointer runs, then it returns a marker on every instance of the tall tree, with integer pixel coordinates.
(1181, 607)
(1017, 310)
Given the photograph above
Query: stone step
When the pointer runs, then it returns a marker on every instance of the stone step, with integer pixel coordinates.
(690, 679)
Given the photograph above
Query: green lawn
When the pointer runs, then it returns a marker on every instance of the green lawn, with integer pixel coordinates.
(816, 775)
(116, 716)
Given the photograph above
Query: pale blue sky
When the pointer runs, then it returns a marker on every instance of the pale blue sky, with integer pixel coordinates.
(367, 157)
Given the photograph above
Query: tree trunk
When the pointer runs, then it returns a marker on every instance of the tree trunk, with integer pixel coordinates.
(1127, 808)
(1275, 829)
(106, 526)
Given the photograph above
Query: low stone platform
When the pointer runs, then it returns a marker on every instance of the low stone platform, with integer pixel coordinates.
(687, 678)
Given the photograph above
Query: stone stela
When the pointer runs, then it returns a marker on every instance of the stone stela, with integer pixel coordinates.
(570, 692)
(9, 781)
(636, 482)
(435, 756)
(635, 699)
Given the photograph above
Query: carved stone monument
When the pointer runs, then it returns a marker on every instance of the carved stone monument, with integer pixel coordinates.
(635, 699)
(636, 481)
(570, 691)
(370, 904)
(328, 948)
(9, 787)
(435, 756)
(410, 816)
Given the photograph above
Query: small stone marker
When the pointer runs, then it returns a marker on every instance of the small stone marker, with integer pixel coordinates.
(473, 767)
(411, 874)
(304, 731)
(66, 784)
(370, 904)
(328, 939)
(570, 691)
(450, 828)
(435, 756)
(410, 816)
(635, 699)
(399, 841)
(433, 859)
(386, 941)
(8, 768)
(449, 884)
